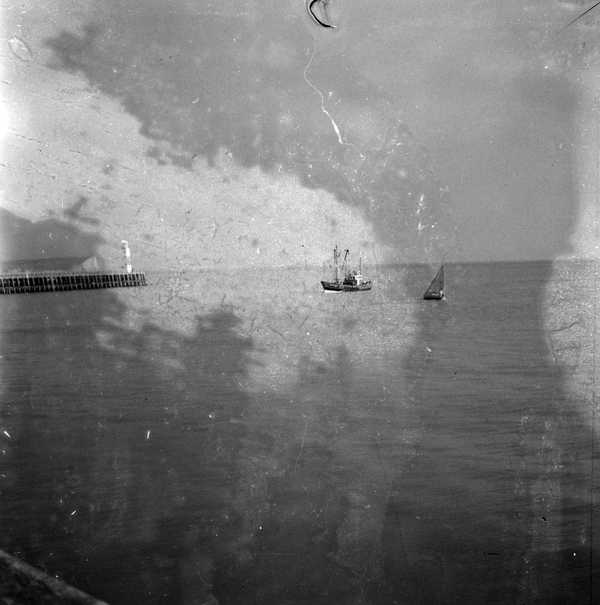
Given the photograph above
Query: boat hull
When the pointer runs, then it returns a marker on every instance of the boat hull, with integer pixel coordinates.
(332, 286)
(434, 297)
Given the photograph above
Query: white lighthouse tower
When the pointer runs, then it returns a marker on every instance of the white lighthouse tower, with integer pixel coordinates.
(127, 254)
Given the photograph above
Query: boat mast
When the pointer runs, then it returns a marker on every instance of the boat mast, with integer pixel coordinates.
(335, 262)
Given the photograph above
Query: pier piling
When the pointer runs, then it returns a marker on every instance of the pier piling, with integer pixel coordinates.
(59, 281)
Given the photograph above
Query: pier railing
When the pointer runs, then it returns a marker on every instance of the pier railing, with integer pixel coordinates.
(56, 281)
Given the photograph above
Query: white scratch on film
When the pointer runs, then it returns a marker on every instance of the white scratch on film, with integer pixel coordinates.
(322, 96)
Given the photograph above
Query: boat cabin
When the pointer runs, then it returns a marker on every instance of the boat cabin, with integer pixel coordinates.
(354, 278)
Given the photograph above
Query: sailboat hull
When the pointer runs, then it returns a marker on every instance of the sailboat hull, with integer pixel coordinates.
(338, 286)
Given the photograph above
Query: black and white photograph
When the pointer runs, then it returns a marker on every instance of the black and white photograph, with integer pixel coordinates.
(299, 302)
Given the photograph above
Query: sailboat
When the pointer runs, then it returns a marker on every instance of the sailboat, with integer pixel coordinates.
(436, 287)
(354, 281)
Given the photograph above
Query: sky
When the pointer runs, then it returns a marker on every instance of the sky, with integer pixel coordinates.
(234, 133)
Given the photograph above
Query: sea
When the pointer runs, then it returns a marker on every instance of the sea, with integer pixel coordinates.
(242, 436)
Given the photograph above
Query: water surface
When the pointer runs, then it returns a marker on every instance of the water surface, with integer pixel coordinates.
(267, 442)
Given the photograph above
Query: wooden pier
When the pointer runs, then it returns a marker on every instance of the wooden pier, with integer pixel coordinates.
(57, 281)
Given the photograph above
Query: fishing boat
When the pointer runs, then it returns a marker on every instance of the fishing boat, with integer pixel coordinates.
(436, 287)
(353, 281)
